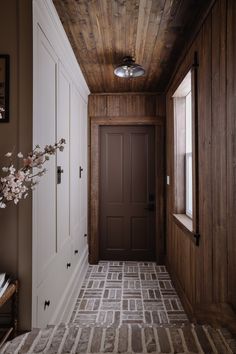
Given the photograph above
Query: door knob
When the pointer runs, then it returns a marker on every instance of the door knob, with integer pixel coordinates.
(151, 197)
(151, 202)
(150, 207)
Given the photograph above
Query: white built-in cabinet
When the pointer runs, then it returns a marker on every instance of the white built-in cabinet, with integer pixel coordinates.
(60, 93)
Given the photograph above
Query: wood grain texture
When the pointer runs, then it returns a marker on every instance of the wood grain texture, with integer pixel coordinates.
(231, 151)
(102, 32)
(219, 187)
(160, 192)
(210, 279)
(118, 109)
(123, 105)
(204, 252)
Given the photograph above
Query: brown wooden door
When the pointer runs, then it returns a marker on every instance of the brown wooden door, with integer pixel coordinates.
(127, 193)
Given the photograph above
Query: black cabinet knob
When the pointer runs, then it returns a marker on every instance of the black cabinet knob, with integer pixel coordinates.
(68, 265)
(76, 252)
(46, 304)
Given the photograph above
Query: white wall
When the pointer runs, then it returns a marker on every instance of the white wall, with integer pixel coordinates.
(60, 249)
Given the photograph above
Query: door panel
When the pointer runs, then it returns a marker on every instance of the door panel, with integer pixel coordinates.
(114, 168)
(139, 227)
(139, 167)
(45, 127)
(84, 175)
(127, 187)
(115, 227)
(75, 163)
(63, 131)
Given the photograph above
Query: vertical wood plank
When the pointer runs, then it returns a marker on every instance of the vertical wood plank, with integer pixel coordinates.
(160, 194)
(94, 195)
(97, 105)
(161, 105)
(219, 221)
(231, 150)
(204, 252)
(116, 105)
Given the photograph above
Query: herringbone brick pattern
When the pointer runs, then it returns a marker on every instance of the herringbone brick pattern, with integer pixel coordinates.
(116, 293)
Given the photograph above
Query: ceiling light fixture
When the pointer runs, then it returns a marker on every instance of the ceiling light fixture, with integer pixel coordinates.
(128, 68)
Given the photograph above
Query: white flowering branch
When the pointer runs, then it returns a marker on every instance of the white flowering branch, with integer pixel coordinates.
(15, 185)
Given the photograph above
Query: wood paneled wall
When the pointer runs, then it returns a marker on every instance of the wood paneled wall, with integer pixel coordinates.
(126, 109)
(206, 275)
(126, 104)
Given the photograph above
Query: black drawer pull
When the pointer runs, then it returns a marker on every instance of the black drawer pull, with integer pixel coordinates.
(46, 304)
(76, 251)
(68, 265)
(85, 235)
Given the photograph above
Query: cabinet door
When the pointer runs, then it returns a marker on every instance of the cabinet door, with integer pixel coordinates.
(63, 191)
(45, 194)
(75, 165)
(84, 176)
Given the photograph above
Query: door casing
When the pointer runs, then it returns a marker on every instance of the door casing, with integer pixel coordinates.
(93, 233)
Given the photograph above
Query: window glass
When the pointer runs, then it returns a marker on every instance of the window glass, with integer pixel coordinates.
(184, 146)
(188, 158)
(189, 122)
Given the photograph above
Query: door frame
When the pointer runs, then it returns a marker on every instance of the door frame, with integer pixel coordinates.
(94, 197)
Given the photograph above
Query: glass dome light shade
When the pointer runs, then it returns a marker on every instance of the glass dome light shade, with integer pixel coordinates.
(128, 69)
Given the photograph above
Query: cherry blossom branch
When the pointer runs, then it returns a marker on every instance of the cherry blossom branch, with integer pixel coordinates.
(16, 184)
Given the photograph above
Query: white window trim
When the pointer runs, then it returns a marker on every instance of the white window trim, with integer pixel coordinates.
(187, 158)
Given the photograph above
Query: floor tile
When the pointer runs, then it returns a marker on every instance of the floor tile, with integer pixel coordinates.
(116, 293)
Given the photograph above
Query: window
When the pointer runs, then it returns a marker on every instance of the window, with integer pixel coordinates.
(183, 147)
(188, 156)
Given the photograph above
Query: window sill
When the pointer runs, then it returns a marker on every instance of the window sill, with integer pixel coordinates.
(184, 222)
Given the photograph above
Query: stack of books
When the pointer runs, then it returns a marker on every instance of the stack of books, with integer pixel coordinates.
(5, 280)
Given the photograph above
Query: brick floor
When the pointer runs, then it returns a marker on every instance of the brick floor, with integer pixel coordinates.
(126, 339)
(125, 307)
(116, 293)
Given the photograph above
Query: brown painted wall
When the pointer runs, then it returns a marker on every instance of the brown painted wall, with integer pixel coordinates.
(15, 222)
(206, 275)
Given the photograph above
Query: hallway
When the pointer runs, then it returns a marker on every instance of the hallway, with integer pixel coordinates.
(142, 94)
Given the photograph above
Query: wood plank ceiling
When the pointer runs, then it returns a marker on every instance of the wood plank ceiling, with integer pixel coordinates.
(102, 32)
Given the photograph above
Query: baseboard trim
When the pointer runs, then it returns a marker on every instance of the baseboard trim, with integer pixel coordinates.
(183, 297)
(214, 314)
(70, 295)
